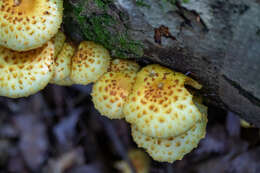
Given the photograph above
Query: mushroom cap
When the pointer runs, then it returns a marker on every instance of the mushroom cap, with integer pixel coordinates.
(160, 105)
(64, 82)
(28, 24)
(59, 40)
(139, 159)
(172, 148)
(90, 61)
(25, 73)
(63, 63)
(118, 65)
(110, 92)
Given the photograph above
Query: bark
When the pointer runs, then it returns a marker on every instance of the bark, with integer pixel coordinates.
(217, 41)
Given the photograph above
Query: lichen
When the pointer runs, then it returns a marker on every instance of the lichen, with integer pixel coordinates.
(98, 25)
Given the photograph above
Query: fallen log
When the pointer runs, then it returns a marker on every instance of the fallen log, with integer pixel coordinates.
(216, 41)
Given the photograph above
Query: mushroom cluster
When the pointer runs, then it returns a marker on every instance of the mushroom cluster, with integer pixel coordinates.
(165, 119)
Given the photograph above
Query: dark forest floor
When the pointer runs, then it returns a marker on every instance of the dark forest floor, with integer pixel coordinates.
(59, 131)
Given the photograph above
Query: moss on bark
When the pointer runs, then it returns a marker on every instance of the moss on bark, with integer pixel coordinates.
(97, 22)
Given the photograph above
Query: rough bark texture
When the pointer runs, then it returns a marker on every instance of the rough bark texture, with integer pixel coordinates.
(217, 41)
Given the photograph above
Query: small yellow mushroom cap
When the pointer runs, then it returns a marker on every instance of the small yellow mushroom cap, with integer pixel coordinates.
(118, 65)
(28, 24)
(246, 124)
(160, 105)
(59, 40)
(89, 63)
(110, 92)
(24, 73)
(172, 148)
(63, 63)
(139, 159)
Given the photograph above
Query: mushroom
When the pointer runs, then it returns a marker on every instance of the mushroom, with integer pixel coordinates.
(140, 160)
(25, 73)
(28, 24)
(160, 105)
(172, 148)
(111, 90)
(59, 40)
(109, 93)
(62, 68)
(90, 61)
(118, 65)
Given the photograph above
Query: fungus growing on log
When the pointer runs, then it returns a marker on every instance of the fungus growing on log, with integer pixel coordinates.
(160, 105)
(59, 40)
(118, 65)
(90, 61)
(173, 148)
(62, 68)
(110, 92)
(28, 24)
(25, 73)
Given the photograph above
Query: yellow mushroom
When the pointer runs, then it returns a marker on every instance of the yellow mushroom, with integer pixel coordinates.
(59, 40)
(139, 159)
(172, 148)
(160, 105)
(90, 61)
(118, 65)
(62, 68)
(28, 24)
(25, 73)
(109, 93)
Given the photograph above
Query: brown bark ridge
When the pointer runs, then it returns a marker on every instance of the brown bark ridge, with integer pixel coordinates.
(217, 41)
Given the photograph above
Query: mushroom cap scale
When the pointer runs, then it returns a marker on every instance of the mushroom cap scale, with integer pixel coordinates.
(110, 92)
(172, 148)
(118, 65)
(25, 73)
(160, 105)
(63, 63)
(28, 24)
(90, 61)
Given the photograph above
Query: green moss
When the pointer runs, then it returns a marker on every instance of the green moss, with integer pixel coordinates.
(141, 3)
(101, 28)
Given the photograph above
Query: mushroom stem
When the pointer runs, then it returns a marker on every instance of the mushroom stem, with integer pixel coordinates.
(17, 2)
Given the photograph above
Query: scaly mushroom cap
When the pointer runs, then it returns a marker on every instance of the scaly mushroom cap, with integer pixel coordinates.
(118, 65)
(172, 148)
(28, 24)
(89, 63)
(109, 93)
(63, 63)
(25, 73)
(59, 40)
(160, 105)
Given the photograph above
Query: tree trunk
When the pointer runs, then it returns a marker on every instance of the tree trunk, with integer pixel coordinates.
(217, 41)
